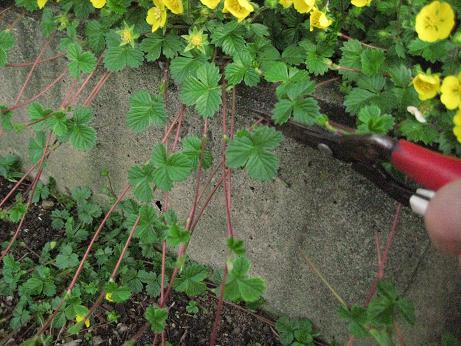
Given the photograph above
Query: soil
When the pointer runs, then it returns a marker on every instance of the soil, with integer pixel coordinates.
(239, 326)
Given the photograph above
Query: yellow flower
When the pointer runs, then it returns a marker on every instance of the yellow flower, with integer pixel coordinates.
(196, 40)
(211, 4)
(457, 118)
(127, 35)
(435, 21)
(174, 6)
(240, 9)
(361, 3)
(319, 20)
(426, 85)
(451, 91)
(457, 133)
(41, 3)
(304, 6)
(79, 318)
(286, 3)
(98, 3)
(156, 16)
(109, 297)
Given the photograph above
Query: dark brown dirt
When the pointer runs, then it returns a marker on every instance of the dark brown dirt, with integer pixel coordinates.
(239, 326)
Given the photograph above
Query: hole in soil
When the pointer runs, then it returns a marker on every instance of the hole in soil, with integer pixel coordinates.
(159, 205)
(252, 188)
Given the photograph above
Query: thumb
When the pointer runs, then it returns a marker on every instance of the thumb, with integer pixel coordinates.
(443, 219)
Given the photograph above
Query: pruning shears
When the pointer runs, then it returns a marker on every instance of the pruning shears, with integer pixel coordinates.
(367, 153)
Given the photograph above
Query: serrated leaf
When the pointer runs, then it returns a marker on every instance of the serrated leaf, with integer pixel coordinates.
(282, 111)
(192, 149)
(79, 61)
(141, 179)
(145, 110)
(176, 235)
(156, 318)
(183, 67)
(239, 286)
(372, 61)
(169, 168)
(190, 281)
(229, 37)
(152, 46)
(117, 294)
(37, 146)
(203, 90)
(6, 40)
(95, 34)
(372, 121)
(418, 132)
(356, 99)
(306, 111)
(253, 151)
(119, 57)
(276, 72)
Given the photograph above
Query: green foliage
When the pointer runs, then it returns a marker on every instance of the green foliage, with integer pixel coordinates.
(156, 318)
(191, 280)
(145, 110)
(202, 90)
(372, 121)
(6, 43)
(79, 61)
(117, 294)
(376, 320)
(253, 151)
(239, 285)
(10, 167)
(118, 58)
(295, 332)
(81, 135)
(192, 307)
(194, 150)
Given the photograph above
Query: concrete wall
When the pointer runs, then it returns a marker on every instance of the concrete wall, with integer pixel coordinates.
(316, 206)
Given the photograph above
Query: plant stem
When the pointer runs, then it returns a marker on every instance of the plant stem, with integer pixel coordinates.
(35, 64)
(324, 280)
(217, 320)
(346, 37)
(41, 93)
(41, 61)
(97, 88)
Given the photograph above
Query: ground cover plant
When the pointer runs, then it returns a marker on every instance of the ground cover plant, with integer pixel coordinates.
(398, 63)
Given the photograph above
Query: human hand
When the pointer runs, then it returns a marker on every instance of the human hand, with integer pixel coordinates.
(443, 219)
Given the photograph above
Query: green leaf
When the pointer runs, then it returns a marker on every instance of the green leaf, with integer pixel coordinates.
(6, 40)
(240, 71)
(79, 61)
(152, 46)
(192, 149)
(293, 55)
(82, 136)
(418, 132)
(190, 281)
(119, 57)
(141, 179)
(372, 61)
(430, 51)
(81, 194)
(236, 246)
(118, 294)
(38, 114)
(169, 168)
(371, 120)
(253, 151)
(172, 45)
(407, 309)
(306, 111)
(357, 318)
(37, 146)
(156, 318)
(276, 72)
(29, 5)
(66, 258)
(239, 286)
(58, 124)
(203, 90)
(95, 33)
(382, 337)
(176, 235)
(317, 57)
(229, 37)
(282, 111)
(145, 110)
(356, 99)
(183, 67)
(286, 329)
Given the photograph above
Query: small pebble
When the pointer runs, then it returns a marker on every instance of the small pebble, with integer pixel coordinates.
(47, 204)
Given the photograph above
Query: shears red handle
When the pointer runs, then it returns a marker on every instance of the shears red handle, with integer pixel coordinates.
(428, 168)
